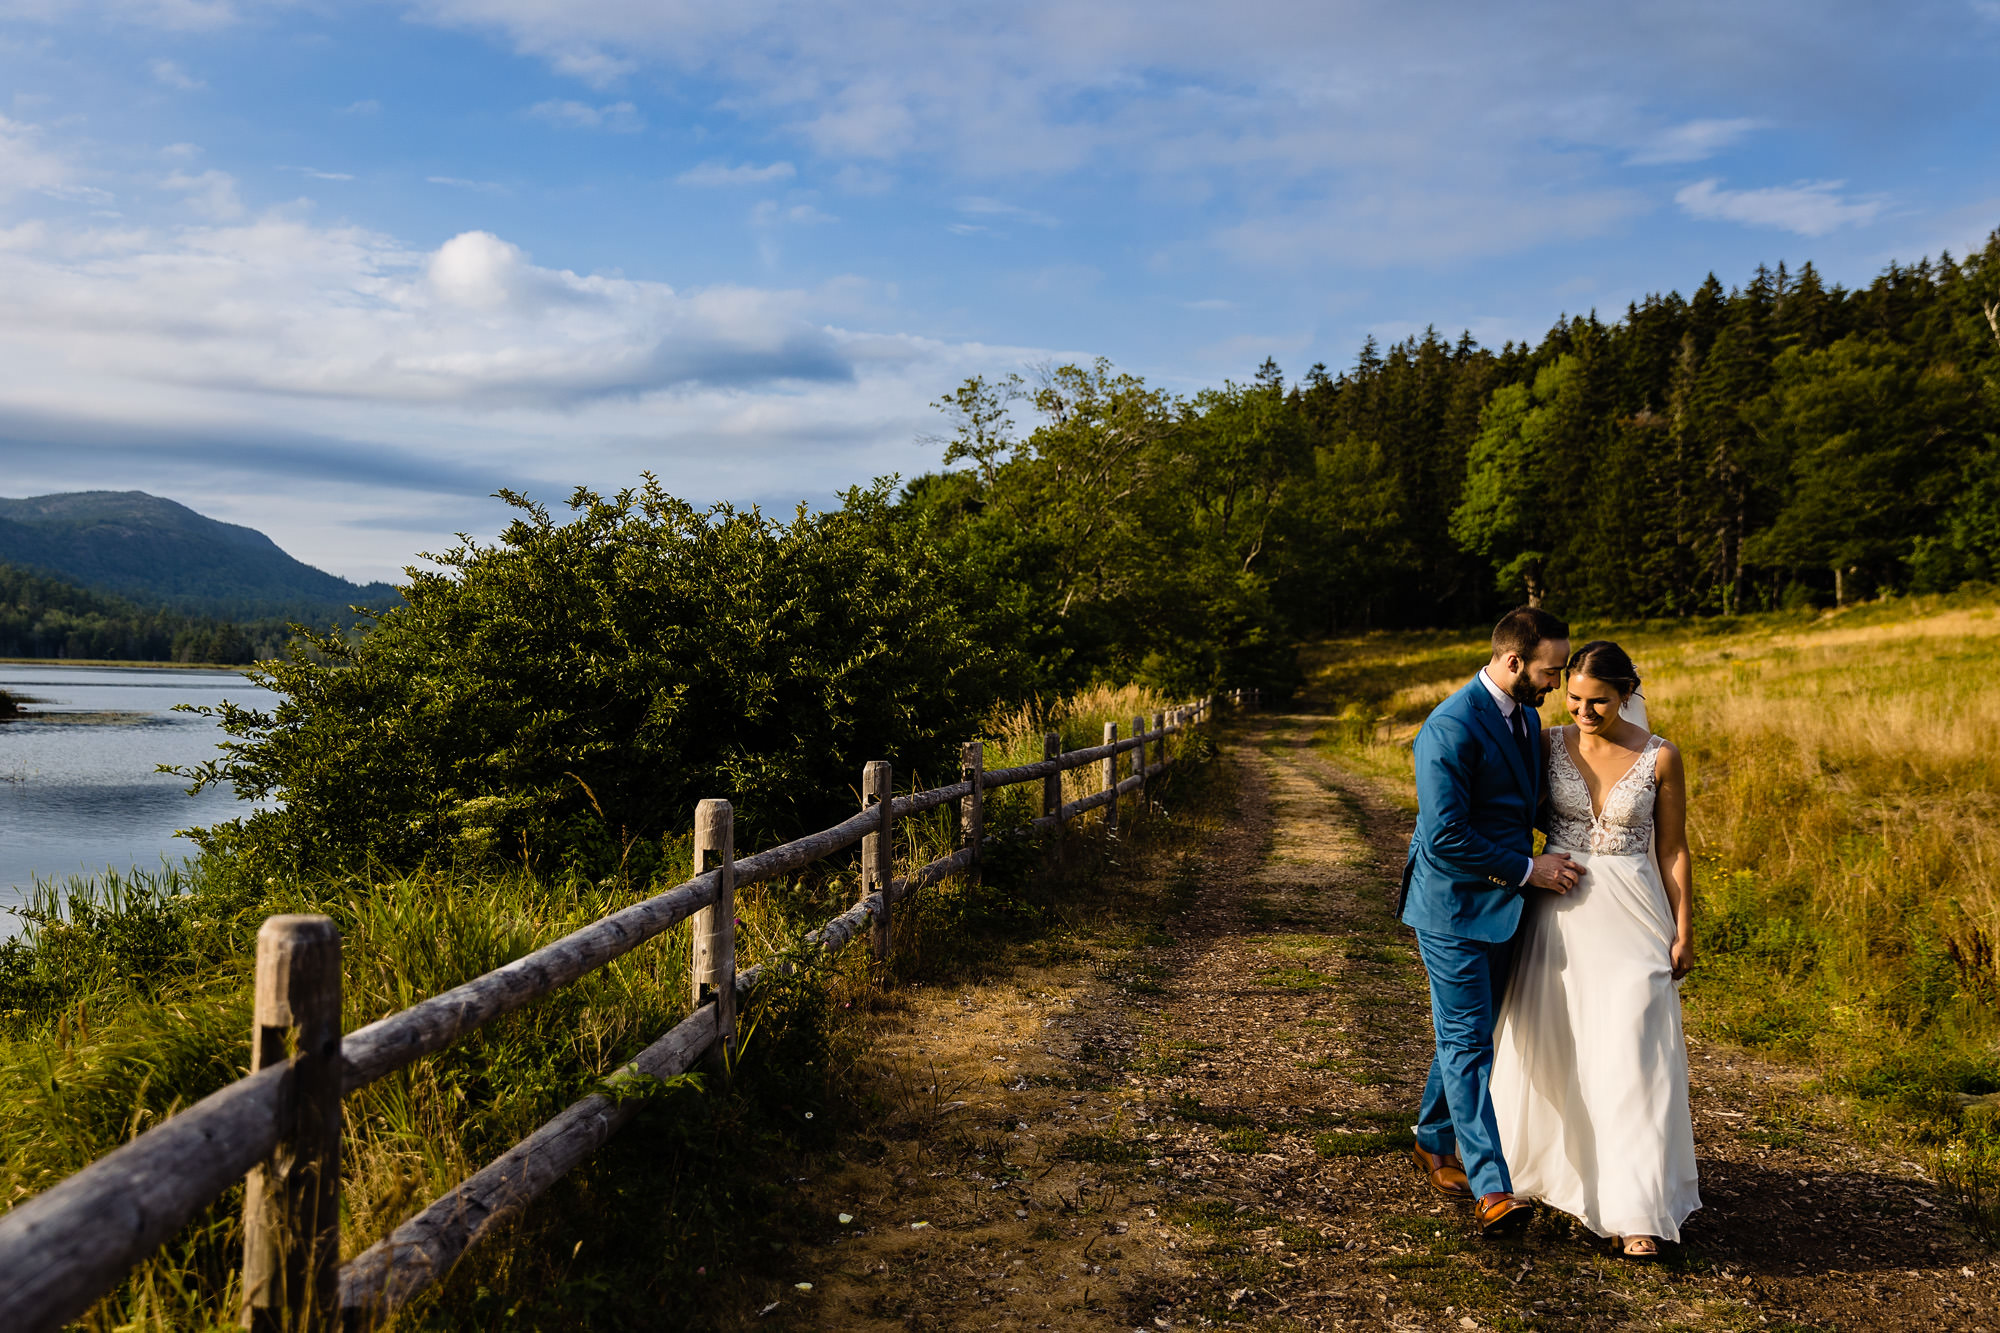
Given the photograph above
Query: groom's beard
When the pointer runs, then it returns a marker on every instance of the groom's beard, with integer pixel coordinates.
(1525, 693)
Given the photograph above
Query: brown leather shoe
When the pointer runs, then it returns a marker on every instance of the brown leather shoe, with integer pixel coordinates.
(1445, 1172)
(1501, 1214)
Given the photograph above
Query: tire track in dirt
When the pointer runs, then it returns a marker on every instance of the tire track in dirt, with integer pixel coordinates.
(1200, 1118)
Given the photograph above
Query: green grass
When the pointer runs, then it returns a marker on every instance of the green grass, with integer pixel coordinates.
(1361, 1145)
(133, 1000)
(1295, 978)
(1105, 1149)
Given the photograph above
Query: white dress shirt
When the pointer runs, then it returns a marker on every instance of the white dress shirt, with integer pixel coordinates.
(1508, 703)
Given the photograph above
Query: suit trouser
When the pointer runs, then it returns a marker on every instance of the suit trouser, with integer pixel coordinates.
(1468, 980)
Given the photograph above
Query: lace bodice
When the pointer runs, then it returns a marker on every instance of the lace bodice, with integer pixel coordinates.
(1625, 827)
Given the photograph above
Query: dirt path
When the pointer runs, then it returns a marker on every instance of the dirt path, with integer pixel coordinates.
(1200, 1118)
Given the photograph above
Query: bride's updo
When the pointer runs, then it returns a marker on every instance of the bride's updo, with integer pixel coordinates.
(1601, 659)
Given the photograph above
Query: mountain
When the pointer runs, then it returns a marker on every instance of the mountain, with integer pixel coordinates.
(155, 551)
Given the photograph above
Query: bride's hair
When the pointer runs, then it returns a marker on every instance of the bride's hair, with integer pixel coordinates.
(1601, 659)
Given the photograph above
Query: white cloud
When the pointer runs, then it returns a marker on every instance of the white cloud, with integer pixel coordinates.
(1693, 141)
(981, 206)
(1277, 118)
(461, 183)
(186, 362)
(712, 174)
(277, 307)
(617, 117)
(80, 194)
(1808, 208)
(25, 164)
(367, 106)
(212, 194)
(859, 180)
(769, 213)
(171, 75)
(314, 173)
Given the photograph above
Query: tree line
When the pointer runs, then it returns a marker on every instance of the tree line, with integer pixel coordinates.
(49, 618)
(565, 693)
(1781, 443)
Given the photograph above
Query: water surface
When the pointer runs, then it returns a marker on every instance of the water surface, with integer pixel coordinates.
(78, 790)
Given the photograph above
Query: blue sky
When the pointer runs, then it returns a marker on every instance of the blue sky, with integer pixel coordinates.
(338, 270)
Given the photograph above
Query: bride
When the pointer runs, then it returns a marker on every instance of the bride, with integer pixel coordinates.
(1590, 1076)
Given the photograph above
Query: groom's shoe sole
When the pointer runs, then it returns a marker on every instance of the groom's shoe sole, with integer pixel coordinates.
(1444, 1173)
(1502, 1215)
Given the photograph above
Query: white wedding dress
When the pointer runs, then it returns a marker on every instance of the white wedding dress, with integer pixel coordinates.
(1590, 1075)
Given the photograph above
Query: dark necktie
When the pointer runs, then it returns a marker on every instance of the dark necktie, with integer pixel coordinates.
(1522, 742)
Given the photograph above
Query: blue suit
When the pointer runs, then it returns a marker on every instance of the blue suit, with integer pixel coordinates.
(1476, 800)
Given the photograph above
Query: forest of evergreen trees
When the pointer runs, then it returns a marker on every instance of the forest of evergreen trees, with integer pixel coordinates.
(45, 617)
(1780, 443)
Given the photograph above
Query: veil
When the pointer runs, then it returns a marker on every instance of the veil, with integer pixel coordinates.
(1634, 710)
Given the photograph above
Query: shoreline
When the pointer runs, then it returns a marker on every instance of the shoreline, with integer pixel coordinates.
(238, 668)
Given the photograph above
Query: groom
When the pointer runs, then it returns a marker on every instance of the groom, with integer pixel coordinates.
(1479, 779)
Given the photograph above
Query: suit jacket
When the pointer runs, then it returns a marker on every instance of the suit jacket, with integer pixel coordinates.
(1476, 803)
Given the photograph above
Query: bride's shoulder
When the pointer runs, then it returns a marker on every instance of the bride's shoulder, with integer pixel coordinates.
(1666, 756)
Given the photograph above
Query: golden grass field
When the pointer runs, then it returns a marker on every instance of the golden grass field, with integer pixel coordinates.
(1845, 775)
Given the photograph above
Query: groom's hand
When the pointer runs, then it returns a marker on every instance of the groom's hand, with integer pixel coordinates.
(1555, 872)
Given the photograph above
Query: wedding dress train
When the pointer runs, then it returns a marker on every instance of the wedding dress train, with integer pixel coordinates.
(1590, 1077)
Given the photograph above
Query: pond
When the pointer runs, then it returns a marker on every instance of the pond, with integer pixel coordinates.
(79, 793)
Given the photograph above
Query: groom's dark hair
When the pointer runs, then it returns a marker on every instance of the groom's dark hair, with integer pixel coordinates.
(1525, 629)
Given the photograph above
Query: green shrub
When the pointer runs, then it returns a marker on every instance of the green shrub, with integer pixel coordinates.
(564, 697)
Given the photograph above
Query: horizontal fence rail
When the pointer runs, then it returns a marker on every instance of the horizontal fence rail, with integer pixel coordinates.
(67, 1247)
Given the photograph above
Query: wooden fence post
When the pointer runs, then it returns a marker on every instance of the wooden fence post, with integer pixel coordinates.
(878, 849)
(1139, 759)
(1052, 784)
(1110, 772)
(291, 1209)
(714, 928)
(1159, 746)
(972, 809)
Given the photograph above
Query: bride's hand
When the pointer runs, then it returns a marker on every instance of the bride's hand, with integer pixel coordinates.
(1683, 958)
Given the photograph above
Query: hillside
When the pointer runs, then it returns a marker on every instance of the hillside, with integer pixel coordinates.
(152, 550)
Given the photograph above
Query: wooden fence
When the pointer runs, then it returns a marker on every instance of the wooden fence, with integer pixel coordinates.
(280, 1126)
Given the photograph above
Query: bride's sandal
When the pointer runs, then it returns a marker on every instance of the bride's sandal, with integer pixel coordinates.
(1643, 1248)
